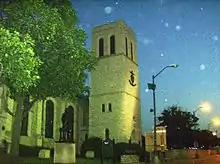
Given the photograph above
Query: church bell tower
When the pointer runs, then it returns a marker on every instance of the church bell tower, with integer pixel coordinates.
(114, 97)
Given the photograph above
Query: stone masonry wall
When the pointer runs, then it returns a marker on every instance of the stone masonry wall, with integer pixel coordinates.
(129, 159)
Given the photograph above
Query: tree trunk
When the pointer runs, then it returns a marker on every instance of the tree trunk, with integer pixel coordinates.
(43, 123)
(16, 127)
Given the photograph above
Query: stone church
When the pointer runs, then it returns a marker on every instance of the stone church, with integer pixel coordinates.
(113, 106)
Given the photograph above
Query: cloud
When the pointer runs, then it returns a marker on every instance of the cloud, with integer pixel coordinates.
(202, 67)
(166, 24)
(215, 38)
(178, 28)
(108, 10)
(147, 41)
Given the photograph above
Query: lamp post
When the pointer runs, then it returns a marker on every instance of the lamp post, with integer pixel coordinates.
(195, 143)
(194, 112)
(205, 107)
(152, 86)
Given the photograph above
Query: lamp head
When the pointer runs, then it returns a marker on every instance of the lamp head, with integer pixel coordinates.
(214, 133)
(174, 65)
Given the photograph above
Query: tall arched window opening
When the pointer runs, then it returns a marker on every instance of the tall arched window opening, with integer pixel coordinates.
(112, 45)
(132, 55)
(49, 119)
(101, 47)
(126, 46)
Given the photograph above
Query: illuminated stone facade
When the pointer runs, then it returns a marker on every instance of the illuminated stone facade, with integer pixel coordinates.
(161, 139)
(114, 97)
(38, 127)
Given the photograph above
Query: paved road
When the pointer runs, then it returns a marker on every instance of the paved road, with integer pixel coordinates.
(212, 159)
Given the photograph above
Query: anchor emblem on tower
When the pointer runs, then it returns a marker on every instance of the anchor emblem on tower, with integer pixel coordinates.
(132, 79)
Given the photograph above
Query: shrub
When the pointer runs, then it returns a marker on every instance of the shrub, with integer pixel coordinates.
(32, 151)
(92, 144)
(28, 151)
(126, 149)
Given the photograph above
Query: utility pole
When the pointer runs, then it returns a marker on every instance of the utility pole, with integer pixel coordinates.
(155, 118)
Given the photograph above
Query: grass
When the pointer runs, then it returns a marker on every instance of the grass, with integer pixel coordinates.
(6, 160)
(92, 161)
(80, 161)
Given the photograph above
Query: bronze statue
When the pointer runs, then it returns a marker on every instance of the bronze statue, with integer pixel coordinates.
(66, 132)
(63, 130)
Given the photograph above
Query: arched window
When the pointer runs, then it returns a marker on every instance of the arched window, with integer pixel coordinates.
(112, 45)
(84, 116)
(70, 117)
(49, 119)
(24, 123)
(129, 141)
(106, 133)
(86, 137)
(110, 107)
(101, 47)
(103, 107)
(126, 46)
(132, 57)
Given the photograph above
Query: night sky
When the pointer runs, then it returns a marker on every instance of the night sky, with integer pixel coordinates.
(186, 32)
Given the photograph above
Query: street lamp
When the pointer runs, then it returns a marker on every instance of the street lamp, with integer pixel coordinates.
(214, 133)
(205, 107)
(194, 112)
(152, 86)
(216, 121)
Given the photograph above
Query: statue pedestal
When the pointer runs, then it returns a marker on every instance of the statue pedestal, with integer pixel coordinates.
(64, 153)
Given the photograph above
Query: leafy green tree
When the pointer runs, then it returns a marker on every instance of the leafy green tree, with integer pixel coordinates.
(20, 69)
(59, 43)
(18, 60)
(180, 125)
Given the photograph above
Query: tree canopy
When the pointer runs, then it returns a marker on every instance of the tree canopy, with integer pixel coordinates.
(177, 117)
(179, 124)
(182, 131)
(60, 44)
(205, 138)
(20, 65)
